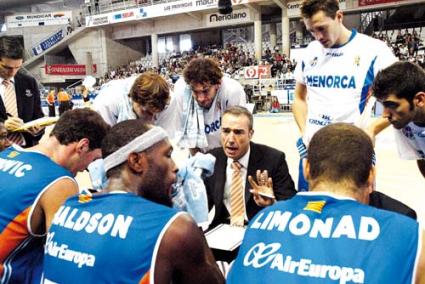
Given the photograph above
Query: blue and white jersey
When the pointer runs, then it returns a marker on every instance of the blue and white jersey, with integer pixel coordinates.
(25, 175)
(323, 238)
(411, 142)
(230, 93)
(106, 238)
(338, 79)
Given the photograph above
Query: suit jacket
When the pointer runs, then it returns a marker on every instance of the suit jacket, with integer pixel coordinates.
(382, 201)
(28, 103)
(261, 158)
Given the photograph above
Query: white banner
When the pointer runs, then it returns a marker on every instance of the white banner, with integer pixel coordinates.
(98, 20)
(236, 17)
(294, 8)
(163, 9)
(40, 19)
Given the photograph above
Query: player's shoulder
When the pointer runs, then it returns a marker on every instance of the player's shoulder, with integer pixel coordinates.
(231, 85)
(314, 46)
(371, 43)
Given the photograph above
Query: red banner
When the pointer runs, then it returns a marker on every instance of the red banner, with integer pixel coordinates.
(256, 72)
(67, 69)
(376, 2)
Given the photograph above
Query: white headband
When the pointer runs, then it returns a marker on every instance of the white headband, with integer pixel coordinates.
(138, 144)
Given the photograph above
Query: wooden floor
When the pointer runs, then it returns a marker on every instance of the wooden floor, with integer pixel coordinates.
(398, 178)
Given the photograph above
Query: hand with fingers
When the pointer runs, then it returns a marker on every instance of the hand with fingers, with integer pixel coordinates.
(13, 123)
(34, 130)
(262, 189)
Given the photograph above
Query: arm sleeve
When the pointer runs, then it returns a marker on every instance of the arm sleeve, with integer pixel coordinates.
(283, 185)
(385, 57)
(406, 150)
(106, 107)
(38, 112)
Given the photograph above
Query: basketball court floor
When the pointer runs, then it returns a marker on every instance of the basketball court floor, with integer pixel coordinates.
(397, 178)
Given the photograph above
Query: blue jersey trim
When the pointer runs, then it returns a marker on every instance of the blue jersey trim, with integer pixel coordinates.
(370, 76)
(353, 34)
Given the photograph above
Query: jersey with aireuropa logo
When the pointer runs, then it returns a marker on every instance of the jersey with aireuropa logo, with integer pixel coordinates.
(24, 176)
(323, 238)
(105, 238)
(338, 79)
(411, 142)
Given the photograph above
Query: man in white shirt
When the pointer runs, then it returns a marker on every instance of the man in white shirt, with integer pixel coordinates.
(201, 98)
(401, 90)
(146, 97)
(335, 73)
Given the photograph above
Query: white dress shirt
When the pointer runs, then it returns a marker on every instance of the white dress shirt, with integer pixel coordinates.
(3, 87)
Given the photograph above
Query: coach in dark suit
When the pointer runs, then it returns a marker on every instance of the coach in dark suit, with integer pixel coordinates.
(27, 94)
(236, 134)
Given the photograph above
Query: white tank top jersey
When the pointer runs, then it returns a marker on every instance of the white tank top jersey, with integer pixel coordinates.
(338, 79)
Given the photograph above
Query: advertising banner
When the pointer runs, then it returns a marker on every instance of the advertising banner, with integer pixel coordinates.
(124, 16)
(376, 2)
(167, 8)
(97, 20)
(257, 72)
(49, 42)
(294, 7)
(236, 17)
(40, 19)
(67, 69)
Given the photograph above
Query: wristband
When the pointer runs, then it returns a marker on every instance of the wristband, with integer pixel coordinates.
(302, 149)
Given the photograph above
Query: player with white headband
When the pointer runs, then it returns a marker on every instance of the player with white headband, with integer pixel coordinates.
(128, 233)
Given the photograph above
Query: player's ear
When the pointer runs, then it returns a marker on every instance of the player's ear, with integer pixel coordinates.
(419, 99)
(339, 16)
(306, 167)
(83, 146)
(137, 162)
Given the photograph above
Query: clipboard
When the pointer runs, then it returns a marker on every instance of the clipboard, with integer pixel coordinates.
(225, 237)
(43, 121)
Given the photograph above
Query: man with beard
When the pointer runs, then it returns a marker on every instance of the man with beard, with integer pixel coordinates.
(404, 107)
(201, 98)
(128, 233)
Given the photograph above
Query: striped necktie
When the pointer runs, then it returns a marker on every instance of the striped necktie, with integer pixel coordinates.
(237, 204)
(12, 108)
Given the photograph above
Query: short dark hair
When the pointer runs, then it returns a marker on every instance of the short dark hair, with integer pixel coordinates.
(150, 89)
(11, 47)
(311, 7)
(403, 79)
(77, 124)
(239, 110)
(340, 152)
(120, 135)
(202, 70)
